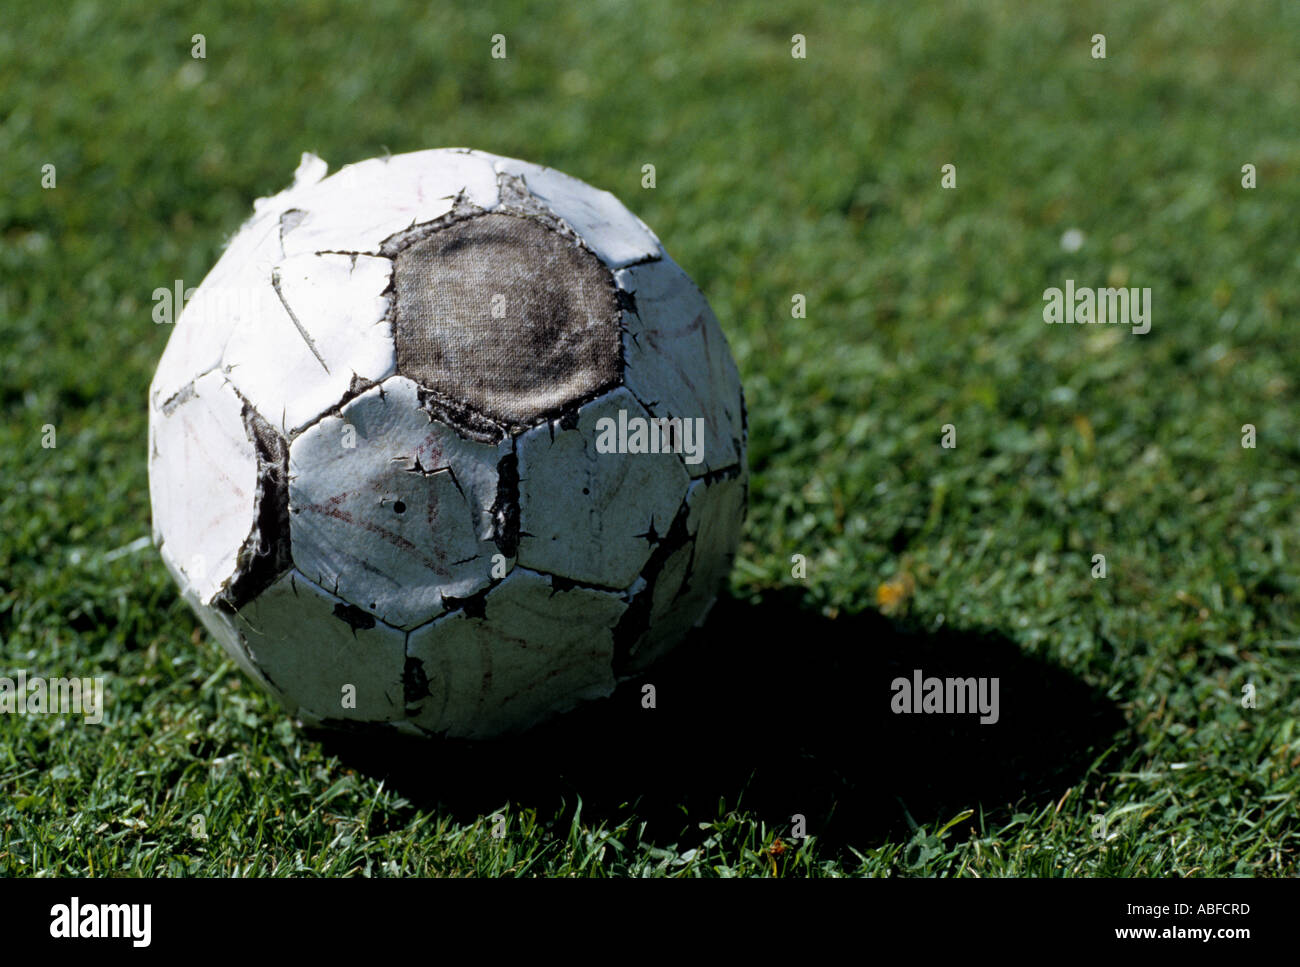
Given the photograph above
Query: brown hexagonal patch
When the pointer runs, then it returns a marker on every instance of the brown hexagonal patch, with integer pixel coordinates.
(506, 315)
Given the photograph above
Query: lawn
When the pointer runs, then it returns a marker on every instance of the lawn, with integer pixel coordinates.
(1126, 745)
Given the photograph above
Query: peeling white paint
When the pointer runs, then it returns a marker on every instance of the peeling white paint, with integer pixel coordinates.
(677, 359)
(616, 235)
(294, 354)
(306, 176)
(359, 206)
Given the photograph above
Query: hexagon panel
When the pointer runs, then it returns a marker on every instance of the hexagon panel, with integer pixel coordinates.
(391, 509)
(534, 649)
(590, 516)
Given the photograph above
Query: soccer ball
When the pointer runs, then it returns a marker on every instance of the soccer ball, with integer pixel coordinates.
(446, 443)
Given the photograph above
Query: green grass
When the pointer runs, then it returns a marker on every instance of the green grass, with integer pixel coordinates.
(775, 176)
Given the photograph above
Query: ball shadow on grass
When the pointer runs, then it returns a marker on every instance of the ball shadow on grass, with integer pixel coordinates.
(773, 709)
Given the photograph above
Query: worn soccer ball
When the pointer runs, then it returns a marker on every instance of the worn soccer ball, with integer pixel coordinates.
(446, 443)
